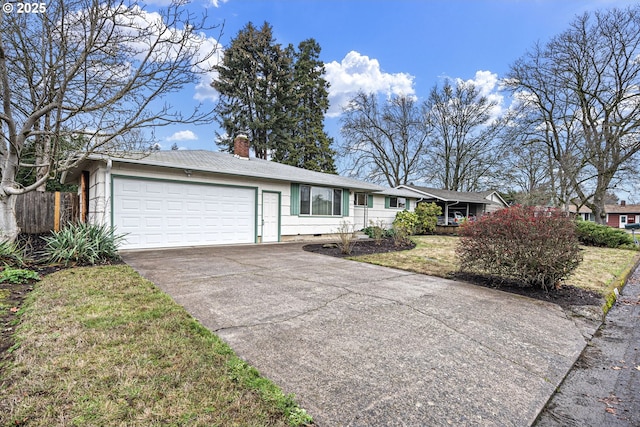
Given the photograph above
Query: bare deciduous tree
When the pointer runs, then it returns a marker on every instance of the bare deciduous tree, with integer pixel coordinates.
(463, 148)
(384, 142)
(89, 76)
(583, 87)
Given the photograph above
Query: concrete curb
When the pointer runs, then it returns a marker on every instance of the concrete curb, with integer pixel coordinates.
(616, 287)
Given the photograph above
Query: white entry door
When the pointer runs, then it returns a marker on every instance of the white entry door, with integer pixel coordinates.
(270, 216)
(623, 221)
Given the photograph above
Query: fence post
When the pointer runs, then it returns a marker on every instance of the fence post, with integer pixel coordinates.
(56, 212)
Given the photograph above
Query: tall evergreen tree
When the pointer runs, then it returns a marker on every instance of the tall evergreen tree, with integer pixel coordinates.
(277, 96)
(309, 146)
(254, 82)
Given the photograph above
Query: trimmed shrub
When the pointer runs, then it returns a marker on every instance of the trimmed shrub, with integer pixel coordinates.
(83, 243)
(538, 249)
(404, 226)
(406, 220)
(592, 234)
(427, 217)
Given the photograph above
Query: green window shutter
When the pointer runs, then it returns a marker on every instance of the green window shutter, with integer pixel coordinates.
(408, 204)
(345, 202)
(370, 200)
(387, 202)
(295, 199)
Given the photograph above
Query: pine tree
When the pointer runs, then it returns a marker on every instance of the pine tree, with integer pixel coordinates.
(309, 146)
(254, 85)
(277, 97)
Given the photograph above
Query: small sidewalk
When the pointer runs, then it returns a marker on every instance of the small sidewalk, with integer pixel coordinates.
(603, 388)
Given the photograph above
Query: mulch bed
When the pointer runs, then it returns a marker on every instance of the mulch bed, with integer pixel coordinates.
(565, 296)
(361, 247)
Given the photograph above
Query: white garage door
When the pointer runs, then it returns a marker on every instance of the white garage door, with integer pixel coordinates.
(155, 213)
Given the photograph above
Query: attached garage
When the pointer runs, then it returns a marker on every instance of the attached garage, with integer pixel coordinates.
(161, 213)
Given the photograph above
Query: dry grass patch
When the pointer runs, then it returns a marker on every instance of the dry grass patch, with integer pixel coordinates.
(601, 267)
(433, 255)
(436, 256)
(102, 346)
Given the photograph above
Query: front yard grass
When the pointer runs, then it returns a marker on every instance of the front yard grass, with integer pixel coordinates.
(435, 255)
(102, 346)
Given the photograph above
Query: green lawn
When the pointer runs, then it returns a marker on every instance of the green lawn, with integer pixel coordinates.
(101, 346)
(435, 255)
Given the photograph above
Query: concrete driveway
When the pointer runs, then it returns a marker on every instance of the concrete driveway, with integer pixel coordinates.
(363, 345)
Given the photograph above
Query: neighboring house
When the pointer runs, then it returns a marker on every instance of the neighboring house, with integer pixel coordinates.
(621, 215)
(618, 215)
(468, 204)
(584, 213)
(191, 198)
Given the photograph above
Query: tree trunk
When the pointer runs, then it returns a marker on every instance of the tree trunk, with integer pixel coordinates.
(597, 207)
(9, 229)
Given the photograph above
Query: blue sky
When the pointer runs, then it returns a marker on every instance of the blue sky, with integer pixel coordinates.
(387, 46)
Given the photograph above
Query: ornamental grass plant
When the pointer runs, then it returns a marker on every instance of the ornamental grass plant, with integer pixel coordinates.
(82, 244)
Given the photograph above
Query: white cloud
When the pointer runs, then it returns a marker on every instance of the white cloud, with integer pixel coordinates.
(183, 135)
(358, 72)
(218, 3)
(146, 29)
(488, 85)
(204, 91)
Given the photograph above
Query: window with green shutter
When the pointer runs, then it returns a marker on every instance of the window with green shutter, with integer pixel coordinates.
(345, 202)
(396, 203)
(319, 201)
(295, 199)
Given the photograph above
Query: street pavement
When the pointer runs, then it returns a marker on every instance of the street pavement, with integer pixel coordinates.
(603, 388)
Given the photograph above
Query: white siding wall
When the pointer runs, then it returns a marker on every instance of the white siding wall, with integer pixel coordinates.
(292, 226)
(98, 211)
(364, 216)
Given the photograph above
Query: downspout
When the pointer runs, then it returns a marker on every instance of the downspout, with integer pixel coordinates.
(108, 197)
(446, 208)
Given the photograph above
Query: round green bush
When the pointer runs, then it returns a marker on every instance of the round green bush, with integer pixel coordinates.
(427, 217)
(592, 234)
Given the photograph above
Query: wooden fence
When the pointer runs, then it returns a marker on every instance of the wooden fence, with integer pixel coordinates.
(39, 212)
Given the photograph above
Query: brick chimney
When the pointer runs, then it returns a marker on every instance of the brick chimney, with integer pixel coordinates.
(623, 203)
(241, 146)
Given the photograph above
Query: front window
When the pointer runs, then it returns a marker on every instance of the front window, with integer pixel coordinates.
(397, 202)
(360, 199)
(320, 201)
(305, 199)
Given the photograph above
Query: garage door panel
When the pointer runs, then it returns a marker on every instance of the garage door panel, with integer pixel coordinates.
(130, 204)
(154, 188)
(168, 213)
(153, 205)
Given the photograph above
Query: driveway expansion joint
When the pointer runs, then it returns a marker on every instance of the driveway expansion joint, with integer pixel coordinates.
(288, 319)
